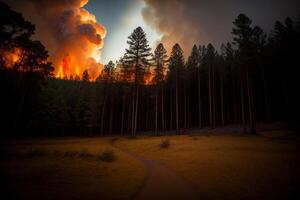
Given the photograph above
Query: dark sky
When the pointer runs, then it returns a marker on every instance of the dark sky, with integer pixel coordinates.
(204, 21)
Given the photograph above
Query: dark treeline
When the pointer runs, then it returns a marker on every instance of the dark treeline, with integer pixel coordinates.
(252, 79)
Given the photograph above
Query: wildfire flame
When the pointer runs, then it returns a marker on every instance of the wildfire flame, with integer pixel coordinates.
(12, 57)
(69, 32)
(79, 58)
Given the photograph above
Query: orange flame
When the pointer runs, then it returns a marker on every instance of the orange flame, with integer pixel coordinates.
(64, 67)
(66, 28)
(12, 57)
(83, 53)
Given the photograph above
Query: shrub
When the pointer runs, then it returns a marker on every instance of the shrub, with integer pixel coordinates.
(36, 153)
(108, 155)
(85, 154)
(71, 153)
(165, 143)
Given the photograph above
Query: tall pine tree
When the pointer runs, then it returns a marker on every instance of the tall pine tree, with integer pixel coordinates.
(176, 70)
(160, 59)
(137, 56)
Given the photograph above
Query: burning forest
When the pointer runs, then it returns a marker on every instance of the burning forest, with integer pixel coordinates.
(70, 33)
(81, 120)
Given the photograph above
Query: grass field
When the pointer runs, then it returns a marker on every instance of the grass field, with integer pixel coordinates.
(218, 166)
(68, 169)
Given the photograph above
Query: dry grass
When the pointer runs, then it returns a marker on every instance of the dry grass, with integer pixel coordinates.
(221, 167)
(229, 167)
(69, 169)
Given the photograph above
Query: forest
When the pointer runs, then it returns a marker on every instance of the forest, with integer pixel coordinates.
(251, 79)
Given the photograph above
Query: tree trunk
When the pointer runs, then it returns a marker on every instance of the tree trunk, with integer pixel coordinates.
(111, 117)
(176, 99)
(185, 106)
(266, 97)
(210, 99)
(199, 99)
(171, 111)
(156, 109)
(213, 98)
(103, 113)
(136, 111)
(129, 120)
(123, 115)
(243, 106)
(250, 104)
(133, 114)
(222, 102)
(286, 98)
(162, 109)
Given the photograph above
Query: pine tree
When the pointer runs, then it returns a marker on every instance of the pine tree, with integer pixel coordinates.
(193, 67)
(247, 40)
(108, 73)
(176, 67)
(211, 62)
(126, 70)
(160, 59)
(137, 55)
(85, 76)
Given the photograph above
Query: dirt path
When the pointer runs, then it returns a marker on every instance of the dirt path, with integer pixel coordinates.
(163, 183)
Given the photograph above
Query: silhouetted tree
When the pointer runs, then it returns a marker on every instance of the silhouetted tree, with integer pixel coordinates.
(247, 40)
(137, 55)
(85, 76)
(176, 68)
(160, 59)
(193, 67)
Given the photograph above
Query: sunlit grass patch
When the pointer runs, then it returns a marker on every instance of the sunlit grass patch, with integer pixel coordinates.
(231, 166)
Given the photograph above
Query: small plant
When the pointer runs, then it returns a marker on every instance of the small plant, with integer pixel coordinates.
(36, 153)
(108, 155)
(71, 153)
(85, 154)
(165, 143)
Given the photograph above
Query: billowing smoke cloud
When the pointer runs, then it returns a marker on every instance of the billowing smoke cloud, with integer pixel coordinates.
(70, 33)
(191, 22)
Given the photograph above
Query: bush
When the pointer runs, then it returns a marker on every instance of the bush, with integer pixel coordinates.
(71, 153)
(165, 143)
(36, 153)
(108, 155)
(85, 154)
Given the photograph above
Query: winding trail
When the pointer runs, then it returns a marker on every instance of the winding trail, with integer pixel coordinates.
(162, 182)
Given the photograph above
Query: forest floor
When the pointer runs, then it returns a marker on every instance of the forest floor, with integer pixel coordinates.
(196, 166)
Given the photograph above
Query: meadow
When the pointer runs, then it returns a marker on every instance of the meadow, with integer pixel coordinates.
(197, 166)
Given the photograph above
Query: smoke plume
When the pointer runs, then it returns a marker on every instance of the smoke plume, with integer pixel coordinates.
(70, 33)
(189, 22)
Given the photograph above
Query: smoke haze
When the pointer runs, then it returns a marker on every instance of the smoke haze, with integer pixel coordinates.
(190, 22)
